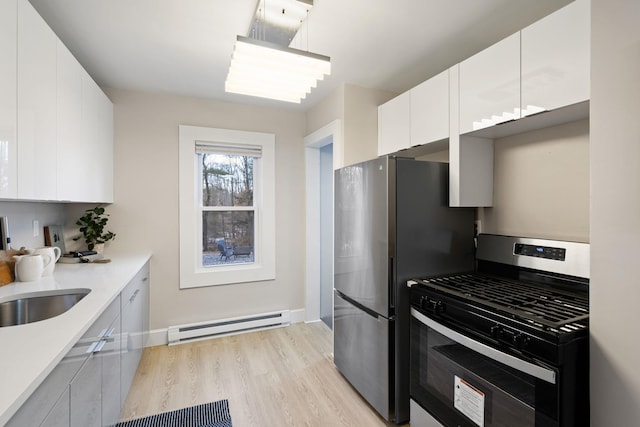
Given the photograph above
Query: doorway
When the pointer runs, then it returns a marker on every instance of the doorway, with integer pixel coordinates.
(322, 153)
(326, 235)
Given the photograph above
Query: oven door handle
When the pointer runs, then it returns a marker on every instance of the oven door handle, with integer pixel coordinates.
(534, 370)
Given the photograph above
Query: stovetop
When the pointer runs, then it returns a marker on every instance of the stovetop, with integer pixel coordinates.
(543, 307)
(529, 296)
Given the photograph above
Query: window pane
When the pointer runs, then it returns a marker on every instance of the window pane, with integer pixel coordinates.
(227, 180)
(228, 237)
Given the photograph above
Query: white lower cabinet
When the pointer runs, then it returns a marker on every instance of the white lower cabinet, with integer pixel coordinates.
(59, 414)
(87, 388)
(78, 377)
(135, 311)
(111, 373)
(86, 395)
(95, 389)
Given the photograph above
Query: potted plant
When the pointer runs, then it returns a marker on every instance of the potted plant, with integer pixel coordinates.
(92, 225)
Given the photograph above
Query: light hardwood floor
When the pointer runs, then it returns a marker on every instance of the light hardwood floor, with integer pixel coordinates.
(279, 377)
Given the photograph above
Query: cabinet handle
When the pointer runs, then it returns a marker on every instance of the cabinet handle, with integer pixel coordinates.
(135, 294)
(100, 345)
(145, 279)
(107, 333)
(96, 346)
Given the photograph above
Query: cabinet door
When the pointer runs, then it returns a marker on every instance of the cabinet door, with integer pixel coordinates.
(110, 356)
(86, 388)
(394, 132)
(44, 398)
(490, 86)
(556, 59)
(470, 159)
(74, 166)
(86, 394)
(59, 415)
(97, 135)
(430, 110)
(133, 306)
(36, 106)
(146, 294)
(8, 100)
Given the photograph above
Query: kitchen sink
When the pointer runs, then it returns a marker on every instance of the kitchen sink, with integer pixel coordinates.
(37, 306)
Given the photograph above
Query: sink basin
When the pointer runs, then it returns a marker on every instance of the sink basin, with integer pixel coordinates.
(38, 306)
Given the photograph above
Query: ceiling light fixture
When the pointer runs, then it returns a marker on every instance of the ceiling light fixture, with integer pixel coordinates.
(269, 69)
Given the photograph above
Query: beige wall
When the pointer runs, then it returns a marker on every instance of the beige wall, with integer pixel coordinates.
(326, 111)
(357, 108)
(145, 212)
(541, 184)
(615, 213)
(361, 123)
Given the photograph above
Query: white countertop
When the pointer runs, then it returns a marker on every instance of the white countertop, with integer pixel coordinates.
(28, 353)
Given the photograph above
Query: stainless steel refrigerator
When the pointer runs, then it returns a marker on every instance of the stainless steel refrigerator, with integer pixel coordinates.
(392, 222)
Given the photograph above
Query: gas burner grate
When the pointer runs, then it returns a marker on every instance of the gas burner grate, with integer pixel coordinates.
(540, 305)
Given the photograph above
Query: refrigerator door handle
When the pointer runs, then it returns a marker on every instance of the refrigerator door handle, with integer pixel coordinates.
(361, 307)
(392, 288)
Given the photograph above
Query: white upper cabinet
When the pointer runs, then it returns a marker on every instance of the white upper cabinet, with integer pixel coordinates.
(430, 110)
(8, 102)
(36, 106)
(470, 158)
(97, 136)
(490, 86)
(85, 134)
(417, 117)
(56, 124)
(71, 150)
(556, 59)
(394, 132)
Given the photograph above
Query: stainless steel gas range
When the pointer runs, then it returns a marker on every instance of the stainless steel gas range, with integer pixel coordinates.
(505, 345)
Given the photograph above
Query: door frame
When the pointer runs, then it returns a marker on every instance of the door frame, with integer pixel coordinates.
(329, 134)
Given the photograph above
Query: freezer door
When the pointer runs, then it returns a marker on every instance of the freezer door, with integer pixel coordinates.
(361, 352)
(361, 237)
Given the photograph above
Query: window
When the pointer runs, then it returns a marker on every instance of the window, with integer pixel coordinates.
(226, 206)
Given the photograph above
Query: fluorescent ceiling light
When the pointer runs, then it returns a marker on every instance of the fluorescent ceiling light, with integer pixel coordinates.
(268, 70)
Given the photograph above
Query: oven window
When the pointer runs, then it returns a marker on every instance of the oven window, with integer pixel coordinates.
(461, 387)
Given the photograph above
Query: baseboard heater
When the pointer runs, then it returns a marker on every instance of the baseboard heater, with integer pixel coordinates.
(223, 327)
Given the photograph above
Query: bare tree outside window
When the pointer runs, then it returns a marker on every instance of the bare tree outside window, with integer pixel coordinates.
(228, 212)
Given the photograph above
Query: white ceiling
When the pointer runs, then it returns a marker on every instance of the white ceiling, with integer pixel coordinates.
(184, 46)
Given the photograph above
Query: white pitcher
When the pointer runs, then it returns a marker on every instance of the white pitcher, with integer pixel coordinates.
(53, 253)
(29, 267)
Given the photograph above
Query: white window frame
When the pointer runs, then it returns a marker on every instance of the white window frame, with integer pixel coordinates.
(192, 273)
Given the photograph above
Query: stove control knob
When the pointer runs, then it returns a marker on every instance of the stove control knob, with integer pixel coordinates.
(520, 341)
(516, 339)
(497, 331)
(433, 306)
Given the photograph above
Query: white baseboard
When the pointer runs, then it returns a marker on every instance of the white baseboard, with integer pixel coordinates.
(297, 316)
(157, 337)
(160, 336)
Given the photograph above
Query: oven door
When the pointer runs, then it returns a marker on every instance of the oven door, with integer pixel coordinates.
(462, 382)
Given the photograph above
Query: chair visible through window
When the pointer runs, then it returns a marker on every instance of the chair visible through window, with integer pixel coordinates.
(226, 252)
